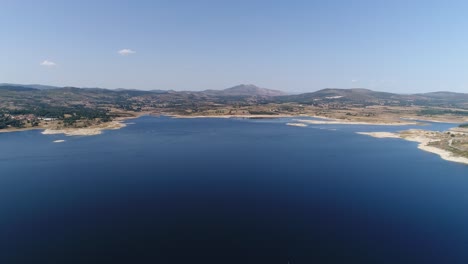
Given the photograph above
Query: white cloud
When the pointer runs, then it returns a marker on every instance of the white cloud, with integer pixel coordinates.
(48, 63)
(354, 81)
(125, 52)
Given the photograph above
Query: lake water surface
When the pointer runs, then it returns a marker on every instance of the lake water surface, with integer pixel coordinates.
(168, 190)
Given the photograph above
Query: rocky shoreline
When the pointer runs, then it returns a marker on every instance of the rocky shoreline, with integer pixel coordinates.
(426, 140)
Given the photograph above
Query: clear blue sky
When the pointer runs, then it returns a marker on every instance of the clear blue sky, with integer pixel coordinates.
(298, 46)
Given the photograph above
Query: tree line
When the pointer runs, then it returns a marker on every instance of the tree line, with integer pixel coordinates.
(69, 115)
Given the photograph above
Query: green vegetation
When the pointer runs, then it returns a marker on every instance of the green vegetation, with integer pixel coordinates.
(60, 112)
(69, 115)
(7, 121)
(432, 111)
(69, 106)
(464, 125)
(87, 114)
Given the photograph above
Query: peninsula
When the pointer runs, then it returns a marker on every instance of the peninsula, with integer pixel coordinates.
(89, 111)
(450, 145)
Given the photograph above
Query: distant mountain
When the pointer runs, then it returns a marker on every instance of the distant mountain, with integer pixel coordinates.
(42, 87)
(352, 94)
(124, 89)
(33, 86)
(446, 95)
(16, 88)
(245, 90)
(450, 99)
(252, 93)
(359, 96)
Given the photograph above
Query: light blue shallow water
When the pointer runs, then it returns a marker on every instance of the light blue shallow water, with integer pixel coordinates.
(168, 190)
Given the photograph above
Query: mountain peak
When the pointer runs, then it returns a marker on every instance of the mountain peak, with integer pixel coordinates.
(251, 90)
(246, 86)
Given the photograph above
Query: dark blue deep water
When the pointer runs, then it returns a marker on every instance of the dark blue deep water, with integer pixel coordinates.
(229, 191)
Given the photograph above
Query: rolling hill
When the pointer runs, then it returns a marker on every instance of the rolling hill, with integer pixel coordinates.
(244, 93)
(245, 90)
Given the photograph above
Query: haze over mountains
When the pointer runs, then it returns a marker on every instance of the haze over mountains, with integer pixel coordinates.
(238, 90)
(32, 86)
(245, 91)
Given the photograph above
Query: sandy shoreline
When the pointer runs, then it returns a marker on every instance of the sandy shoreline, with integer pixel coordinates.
(296, 124)
(93, 130)
(323, 120)
(444, 154)
(380, 134)
(231, 116)
(446, 120)
(9, 130)
(329, 121)
(87, 131)
(418, 136)
(410, 135)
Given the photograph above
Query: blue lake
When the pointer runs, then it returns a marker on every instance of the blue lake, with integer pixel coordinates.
(168, 190)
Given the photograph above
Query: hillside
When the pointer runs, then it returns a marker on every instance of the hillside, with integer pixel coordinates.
(33, 86)
(357, 95)
(243, 99)
(245, 90)
(27, 94)
(365, 97)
